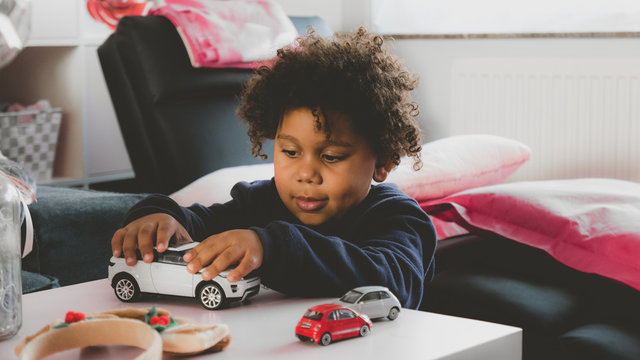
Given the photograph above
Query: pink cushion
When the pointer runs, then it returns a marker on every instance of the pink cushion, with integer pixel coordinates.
(458, 163)
(592, 225)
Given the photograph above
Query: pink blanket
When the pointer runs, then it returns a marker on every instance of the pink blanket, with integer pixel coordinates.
(229, 33)
(592, 225)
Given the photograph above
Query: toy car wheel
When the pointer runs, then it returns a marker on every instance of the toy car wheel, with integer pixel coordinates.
(393, 313)
(126, 288)
(325, 339)
(364, 330)
(211, 296)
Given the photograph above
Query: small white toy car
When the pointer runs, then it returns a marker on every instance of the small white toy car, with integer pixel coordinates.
(374, 301)
(167, 274)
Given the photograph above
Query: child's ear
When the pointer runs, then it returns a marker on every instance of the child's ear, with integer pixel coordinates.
(382, 171)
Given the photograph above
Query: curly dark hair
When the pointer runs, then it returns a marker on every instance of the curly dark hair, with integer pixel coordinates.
(349, 73)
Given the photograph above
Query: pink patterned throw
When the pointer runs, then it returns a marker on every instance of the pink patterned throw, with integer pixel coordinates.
(229, 33)
(588, 224)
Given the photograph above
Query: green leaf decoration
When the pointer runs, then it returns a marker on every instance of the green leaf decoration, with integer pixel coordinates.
(172, 322)
(159, 328)
(151, 313)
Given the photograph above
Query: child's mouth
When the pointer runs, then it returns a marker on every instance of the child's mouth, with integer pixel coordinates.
(310, 204)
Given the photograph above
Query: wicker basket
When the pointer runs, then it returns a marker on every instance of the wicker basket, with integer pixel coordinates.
(30, 138)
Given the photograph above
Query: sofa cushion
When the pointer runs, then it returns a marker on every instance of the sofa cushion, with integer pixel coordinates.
(32, 282)
(73, 230)
(535, 305)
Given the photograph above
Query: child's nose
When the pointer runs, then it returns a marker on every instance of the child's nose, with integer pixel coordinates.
(308, 172)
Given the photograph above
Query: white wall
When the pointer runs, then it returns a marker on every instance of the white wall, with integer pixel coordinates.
(432, 59)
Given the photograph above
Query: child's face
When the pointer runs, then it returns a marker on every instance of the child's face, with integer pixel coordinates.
(317, 178)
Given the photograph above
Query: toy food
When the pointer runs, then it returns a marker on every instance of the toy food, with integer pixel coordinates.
(153, 330)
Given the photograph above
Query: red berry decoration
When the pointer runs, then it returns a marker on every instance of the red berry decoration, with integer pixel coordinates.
(73, 316)
(160, 320)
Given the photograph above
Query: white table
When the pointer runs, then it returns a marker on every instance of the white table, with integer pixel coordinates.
(264, 328)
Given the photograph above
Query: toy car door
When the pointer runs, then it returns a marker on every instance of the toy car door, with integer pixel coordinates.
(346, 324)
(371, 305)
(170, 276)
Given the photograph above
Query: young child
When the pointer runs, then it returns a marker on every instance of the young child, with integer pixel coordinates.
(340, 114)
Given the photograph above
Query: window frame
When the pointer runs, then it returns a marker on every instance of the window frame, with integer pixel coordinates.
(634, 31)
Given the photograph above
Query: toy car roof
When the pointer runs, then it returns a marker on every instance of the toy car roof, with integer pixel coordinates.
(366, 289)
(323, 308)
(182, 247)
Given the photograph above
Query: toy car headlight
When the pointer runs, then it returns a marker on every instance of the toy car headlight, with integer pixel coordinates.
(316, 328)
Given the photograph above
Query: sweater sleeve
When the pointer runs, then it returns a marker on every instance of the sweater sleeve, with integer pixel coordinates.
(393, 246)
(387, 240)
(199, 221)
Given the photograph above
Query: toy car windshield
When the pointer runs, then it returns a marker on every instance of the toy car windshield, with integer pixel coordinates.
(351, 297)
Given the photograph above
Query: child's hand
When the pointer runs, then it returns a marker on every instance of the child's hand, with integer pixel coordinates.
(226, 249)
(143, 233)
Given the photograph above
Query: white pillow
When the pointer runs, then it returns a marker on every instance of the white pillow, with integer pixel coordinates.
(216, 186)
(458, 163)
(450, 165)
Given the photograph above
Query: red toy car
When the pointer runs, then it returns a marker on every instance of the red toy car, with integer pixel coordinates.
(325, 323)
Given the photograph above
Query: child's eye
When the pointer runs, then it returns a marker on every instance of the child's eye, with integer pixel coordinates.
(290, 153)
(332, 158)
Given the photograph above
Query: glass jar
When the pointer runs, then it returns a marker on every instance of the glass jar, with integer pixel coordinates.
(10, 259)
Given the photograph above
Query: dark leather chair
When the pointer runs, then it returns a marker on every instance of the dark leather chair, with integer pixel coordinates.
(178, 122)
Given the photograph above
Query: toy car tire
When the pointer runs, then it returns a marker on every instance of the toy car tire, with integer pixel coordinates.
(126, 288)
(325, 339)
(211, 296)
(393, 313)
(364, 330)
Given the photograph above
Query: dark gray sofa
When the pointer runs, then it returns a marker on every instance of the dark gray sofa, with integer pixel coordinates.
(564, 313)
(72, 233)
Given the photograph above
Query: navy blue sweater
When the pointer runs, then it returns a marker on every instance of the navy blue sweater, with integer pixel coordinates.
(386, 240)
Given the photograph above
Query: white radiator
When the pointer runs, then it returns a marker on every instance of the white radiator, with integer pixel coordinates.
(581, 117)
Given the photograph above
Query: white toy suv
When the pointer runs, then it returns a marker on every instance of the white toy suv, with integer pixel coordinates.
(167, 274)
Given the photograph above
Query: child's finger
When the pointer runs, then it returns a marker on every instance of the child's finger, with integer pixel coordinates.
(221, 263)
(117, 240)
(247, 264)
(181, 237)
(204, 251)
(166, 229)
(201, 255)
(129, 247)
(146, 238)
